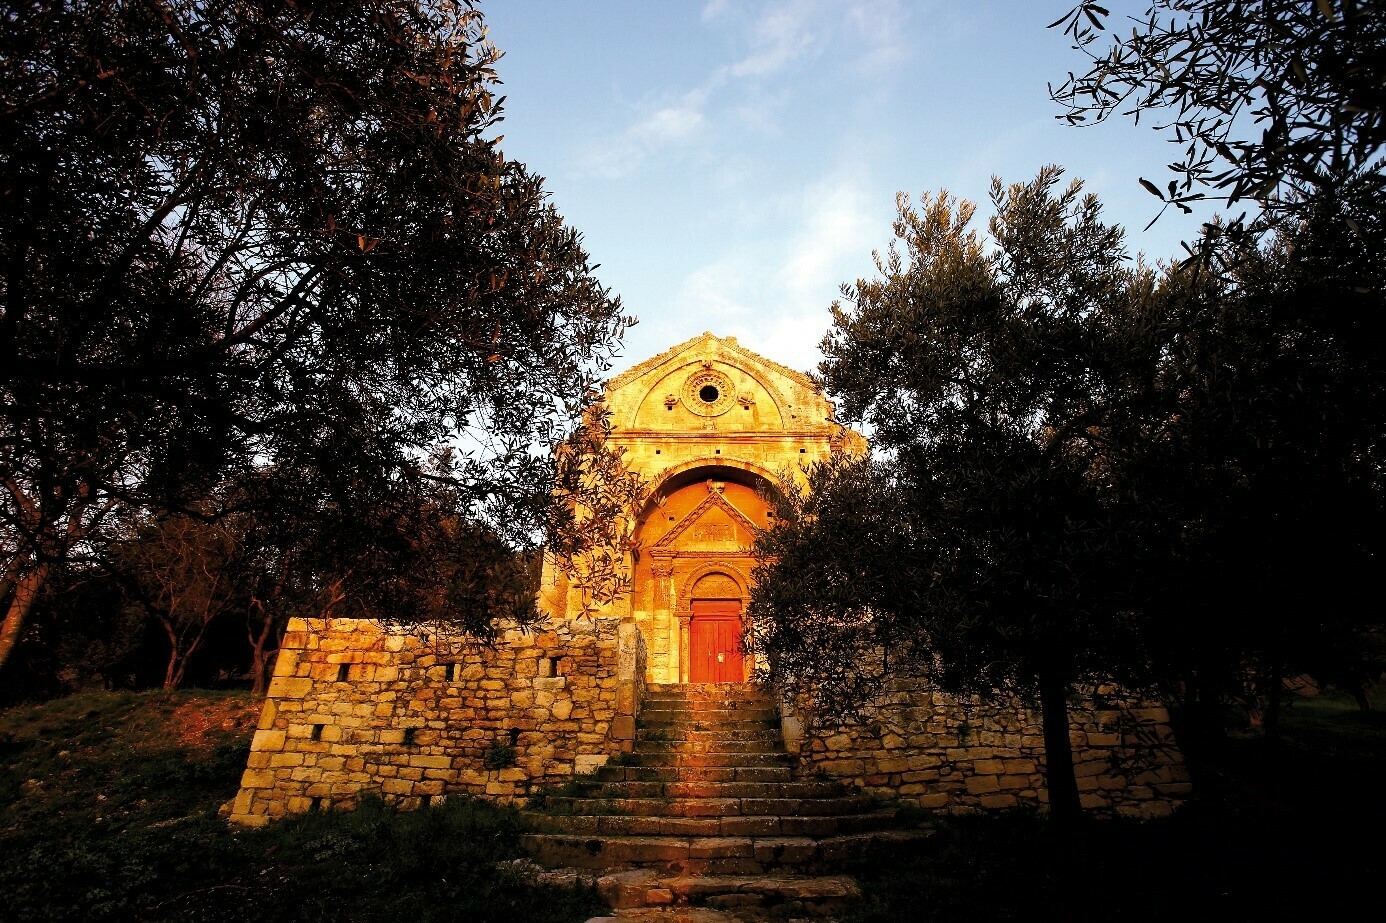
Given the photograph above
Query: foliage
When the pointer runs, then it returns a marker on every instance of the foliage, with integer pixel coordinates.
(498, 756)
(180, 570)
(120, 823)
(1275, 101)
(595, 491)
(984, 545)
(1261, 461)
(278, 240)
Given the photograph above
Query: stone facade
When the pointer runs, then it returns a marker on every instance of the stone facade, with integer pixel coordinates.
(953, 755)
(354, 709)
(712, 429)
(710, 426)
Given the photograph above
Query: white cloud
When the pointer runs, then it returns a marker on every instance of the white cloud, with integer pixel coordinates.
(678, 124)
(837, 228)
(783, 33)
(774, 295)
(715, 9)
(776, 36)
(881, 27)
(670, 125)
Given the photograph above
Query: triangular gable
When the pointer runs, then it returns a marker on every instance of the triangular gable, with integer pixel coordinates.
(713, 498)
(751, 359)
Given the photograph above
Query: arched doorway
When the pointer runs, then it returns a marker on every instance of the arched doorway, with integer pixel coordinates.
(694, 542)
(716, 654)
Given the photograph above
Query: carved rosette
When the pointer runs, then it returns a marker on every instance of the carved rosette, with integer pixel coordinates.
(709, 393)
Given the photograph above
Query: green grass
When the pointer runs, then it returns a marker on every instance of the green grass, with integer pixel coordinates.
(108, 812)
(1291, 834)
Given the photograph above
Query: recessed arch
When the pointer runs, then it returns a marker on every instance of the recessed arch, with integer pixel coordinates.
(708, 468)
(726, 569)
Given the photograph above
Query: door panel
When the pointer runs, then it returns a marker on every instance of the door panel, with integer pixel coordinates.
(715, 654)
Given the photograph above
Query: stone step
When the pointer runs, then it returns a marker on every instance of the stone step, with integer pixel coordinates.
(713, 758)
(660, 789)
(733, 825)
(610, 773)
(709, 807)
(703, 691)
(701, 855)
(787, 894)
(701, 734)
(710, 717)
(733, 745)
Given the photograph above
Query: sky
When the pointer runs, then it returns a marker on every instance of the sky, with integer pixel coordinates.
(731, 164)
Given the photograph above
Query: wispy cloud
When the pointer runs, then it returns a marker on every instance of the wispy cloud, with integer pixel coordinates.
(676, 123)
(775, 298)
(771, 40)
(782, 33)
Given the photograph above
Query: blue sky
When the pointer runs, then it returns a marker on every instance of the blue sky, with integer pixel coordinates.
(730, 163)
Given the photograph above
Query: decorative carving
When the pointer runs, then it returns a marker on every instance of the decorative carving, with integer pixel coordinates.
(715, 532)
(746, 399)
(662, 568)
(709, 392)
(670, 400)
(725, 569)
(715, 586)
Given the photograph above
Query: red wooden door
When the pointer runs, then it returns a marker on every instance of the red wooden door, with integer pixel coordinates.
(715, 654)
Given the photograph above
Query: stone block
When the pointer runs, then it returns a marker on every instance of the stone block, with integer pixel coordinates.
(978, 785)
(257, 778)
(290, 687)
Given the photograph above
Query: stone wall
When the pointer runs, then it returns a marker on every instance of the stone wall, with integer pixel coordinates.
(952, 755)
(356, 709)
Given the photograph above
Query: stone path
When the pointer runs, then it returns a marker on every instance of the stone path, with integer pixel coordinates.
(707, 812)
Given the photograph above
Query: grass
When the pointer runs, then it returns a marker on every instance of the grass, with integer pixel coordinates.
(1291, 834)
(108, 811)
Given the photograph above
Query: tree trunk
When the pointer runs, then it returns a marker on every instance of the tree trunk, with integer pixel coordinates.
(26, 589)
(1065, 810)
(172, 673)
(260, 657)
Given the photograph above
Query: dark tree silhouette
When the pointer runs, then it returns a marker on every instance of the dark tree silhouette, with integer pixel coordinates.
(983, 546)
(1276, 102)
(277, 236)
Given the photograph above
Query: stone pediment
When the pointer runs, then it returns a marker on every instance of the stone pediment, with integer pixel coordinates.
(715, 524)
(702, 345)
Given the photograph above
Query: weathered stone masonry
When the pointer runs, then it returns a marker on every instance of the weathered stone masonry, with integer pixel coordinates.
(712, 428)
(949, 754)
(355, 709)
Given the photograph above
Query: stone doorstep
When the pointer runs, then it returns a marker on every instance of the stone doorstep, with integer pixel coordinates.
(707, 690)
(728, 711)
(647, 888)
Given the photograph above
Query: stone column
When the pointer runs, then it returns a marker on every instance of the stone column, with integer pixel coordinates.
(685, 627)
(662, 571)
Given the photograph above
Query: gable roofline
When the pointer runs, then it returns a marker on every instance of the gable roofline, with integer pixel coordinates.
(729, 344)
(713, 498)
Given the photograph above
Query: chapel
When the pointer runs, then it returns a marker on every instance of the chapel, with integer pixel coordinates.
(654, 687)
(711, 427)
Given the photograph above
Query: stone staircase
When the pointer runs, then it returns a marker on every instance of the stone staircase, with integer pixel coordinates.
(706, 810)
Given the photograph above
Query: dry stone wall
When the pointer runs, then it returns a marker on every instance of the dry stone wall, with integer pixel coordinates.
(953, 755)
(358, 709)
